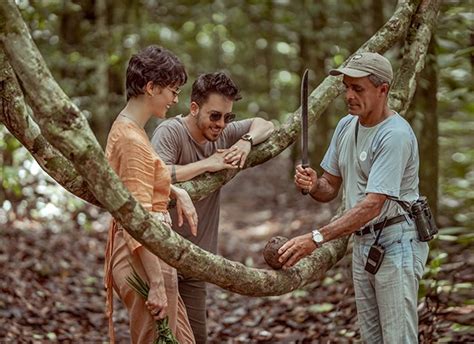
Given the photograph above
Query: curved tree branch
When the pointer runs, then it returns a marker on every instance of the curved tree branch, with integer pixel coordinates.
(66, 129)
(14, 115)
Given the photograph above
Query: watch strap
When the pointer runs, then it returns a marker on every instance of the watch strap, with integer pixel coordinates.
(247, 137)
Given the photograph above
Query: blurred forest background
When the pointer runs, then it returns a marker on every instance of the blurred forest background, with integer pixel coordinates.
(265, 46)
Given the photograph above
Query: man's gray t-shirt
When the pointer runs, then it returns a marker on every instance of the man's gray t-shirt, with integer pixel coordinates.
(175, 145)
(384, 160)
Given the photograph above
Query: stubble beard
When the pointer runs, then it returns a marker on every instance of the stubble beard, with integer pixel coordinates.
(204, 129)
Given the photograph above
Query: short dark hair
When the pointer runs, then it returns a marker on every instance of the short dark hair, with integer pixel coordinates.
(217, 82)
(377, 81)
(154, 64)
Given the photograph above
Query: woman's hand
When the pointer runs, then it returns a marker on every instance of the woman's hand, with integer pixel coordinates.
(185, 206)
(157, 302)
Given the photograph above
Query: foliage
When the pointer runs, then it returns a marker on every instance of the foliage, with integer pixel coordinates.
(455, 60)
(27, 192)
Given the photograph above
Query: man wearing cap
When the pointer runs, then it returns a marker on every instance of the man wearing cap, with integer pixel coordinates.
(373, 154)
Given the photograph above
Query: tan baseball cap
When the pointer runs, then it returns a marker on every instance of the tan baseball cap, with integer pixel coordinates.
(364, 64)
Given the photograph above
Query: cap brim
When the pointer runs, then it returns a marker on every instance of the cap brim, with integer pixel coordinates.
(353, 73)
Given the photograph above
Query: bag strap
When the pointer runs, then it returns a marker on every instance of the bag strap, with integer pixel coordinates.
(356, 133)
(403, 205)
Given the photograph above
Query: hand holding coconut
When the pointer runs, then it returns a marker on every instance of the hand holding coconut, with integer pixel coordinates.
(283, 253)
(296, 249)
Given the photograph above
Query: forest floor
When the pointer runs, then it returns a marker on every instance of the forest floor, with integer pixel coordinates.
(51, 276)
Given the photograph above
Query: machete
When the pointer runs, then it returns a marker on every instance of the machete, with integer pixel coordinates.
(304, 124)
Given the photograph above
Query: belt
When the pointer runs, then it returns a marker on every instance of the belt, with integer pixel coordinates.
(379, 225)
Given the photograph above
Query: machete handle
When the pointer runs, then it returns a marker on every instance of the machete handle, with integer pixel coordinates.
(305, 191)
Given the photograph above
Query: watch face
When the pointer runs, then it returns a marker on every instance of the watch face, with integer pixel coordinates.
(317, 236)
(247, 137)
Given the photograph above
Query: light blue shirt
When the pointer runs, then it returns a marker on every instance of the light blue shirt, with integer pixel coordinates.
(384, 160)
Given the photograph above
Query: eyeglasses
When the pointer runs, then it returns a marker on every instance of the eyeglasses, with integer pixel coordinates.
(175, 92)
(216, 116)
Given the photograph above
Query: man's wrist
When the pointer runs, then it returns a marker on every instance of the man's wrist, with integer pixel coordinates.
(317, 237)
(247, 137)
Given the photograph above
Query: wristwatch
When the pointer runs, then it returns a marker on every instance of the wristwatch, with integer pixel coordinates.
(247, 137)
(317, 237)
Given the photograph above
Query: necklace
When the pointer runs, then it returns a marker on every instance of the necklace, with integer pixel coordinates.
(131, 119)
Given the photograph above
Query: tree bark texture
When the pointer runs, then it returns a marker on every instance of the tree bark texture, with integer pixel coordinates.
(14, 114)
(424, 118)
(66, 129)
(414, 53)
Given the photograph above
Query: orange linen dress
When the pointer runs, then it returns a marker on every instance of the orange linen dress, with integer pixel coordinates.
(147, 178)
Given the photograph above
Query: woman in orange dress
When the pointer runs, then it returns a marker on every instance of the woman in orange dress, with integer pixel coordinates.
(154, 76)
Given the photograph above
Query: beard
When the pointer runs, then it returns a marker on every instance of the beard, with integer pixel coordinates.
(207, 128)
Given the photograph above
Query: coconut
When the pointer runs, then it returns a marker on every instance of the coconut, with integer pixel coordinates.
(270, 252)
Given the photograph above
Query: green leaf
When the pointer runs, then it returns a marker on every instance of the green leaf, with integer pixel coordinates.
(321, 308)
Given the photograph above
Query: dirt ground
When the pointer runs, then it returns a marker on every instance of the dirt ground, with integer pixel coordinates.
(51, 277)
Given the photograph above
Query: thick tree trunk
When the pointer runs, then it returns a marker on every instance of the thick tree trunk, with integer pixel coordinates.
(66, 129)
(424, 118)
(414, 53)
(429, 147)
(376, 9)
(102, 72)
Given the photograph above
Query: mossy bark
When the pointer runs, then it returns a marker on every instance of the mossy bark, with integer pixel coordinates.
(15, 115)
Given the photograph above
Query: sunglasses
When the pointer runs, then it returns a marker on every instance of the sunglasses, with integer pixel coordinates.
(216, 116)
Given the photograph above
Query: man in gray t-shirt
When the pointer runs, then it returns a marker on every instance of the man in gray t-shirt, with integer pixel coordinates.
(206, 140)
(373, 154)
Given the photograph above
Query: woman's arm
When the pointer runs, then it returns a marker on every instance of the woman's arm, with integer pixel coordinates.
(185, 206)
